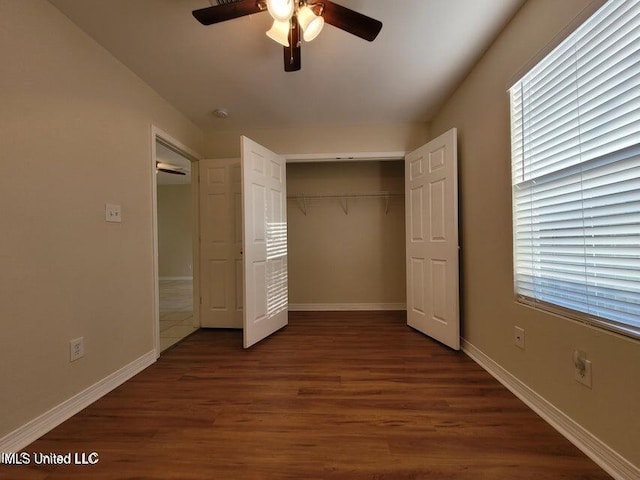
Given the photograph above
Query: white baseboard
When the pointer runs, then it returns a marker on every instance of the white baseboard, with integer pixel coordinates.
(176, 278)
(611, 461)
(30, 432)
(344, 307)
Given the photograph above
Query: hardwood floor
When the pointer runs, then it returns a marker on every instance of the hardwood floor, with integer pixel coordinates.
(332, 396)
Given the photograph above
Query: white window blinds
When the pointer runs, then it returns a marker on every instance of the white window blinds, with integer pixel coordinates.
(575, 130)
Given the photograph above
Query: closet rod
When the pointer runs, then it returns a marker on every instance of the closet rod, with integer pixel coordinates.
(345, 197)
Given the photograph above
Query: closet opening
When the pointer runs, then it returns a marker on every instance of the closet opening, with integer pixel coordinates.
(346, 235)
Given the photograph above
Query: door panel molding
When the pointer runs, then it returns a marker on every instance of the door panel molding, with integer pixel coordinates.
(431, 192)
(220, 243)
(264, 243)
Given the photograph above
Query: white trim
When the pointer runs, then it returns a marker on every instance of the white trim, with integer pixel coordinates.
(174, 143)
(176, 278)
(195, 242)
(155, 305)
(36, 428)
(343, 157)
(611, 461)
(343, 307)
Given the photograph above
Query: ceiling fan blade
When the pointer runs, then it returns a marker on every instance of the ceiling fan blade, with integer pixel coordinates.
(227, 11)
(349, 20)
(172, 172)
(171, 168)
(292, 53)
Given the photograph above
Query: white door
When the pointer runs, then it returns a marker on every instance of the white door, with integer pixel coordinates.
(220, 244)
(264, 239)
(431, 190)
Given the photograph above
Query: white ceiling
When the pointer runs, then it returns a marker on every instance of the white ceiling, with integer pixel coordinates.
(424, 50)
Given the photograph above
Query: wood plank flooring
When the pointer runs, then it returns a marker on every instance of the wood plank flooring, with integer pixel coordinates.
(332, 396)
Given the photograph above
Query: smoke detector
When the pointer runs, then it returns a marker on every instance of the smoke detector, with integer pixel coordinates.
(221, 113)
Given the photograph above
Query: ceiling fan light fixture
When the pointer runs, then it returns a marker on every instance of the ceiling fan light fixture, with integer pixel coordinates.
(310, 22)
(279, 32)
(281, 10)
(295, 21)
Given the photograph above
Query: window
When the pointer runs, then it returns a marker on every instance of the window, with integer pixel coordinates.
(575, 140)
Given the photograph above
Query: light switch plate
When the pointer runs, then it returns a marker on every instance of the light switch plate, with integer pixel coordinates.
(113, 213)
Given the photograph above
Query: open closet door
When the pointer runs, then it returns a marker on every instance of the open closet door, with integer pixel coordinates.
(431, 192)
(264, 242)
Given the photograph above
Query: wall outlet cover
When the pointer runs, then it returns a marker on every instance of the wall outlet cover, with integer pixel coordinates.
(518, 337)
(76, 349)
(582, 371)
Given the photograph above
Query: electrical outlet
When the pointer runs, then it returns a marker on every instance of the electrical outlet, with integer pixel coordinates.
(518, 337)
(76, 349)
(582, 372)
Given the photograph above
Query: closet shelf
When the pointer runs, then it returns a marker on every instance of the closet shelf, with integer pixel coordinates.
(344, 198)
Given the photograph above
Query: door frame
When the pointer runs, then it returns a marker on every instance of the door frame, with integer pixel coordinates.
(158, 134)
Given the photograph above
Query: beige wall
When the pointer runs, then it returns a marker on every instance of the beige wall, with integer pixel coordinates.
(337, 258)
(75, 131)
(323, 139)
(175, 231)
(480, 111)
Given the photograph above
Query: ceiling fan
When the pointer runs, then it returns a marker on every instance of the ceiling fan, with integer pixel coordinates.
(166, 167)
(293, 21)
